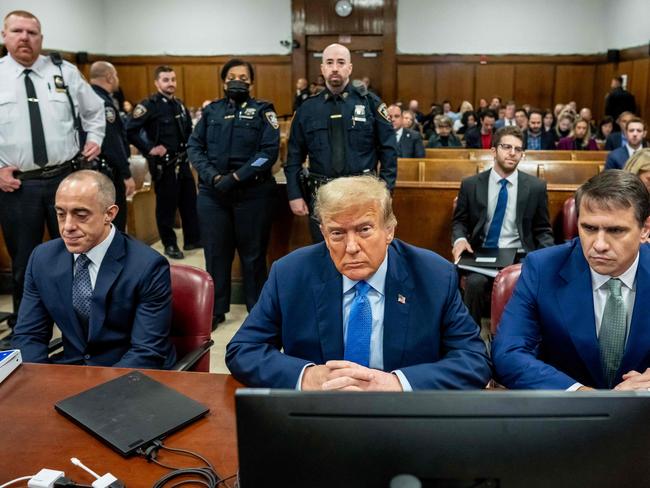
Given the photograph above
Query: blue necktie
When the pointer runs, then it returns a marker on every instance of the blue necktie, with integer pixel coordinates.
(82, 290)
(492, 239)
(357, 344)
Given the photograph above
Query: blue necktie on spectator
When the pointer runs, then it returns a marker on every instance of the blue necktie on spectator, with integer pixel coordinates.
(357, 344)
(492, 239)
(82, 290)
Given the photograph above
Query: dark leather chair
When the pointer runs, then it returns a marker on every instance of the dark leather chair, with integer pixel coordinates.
(192, 303)
(569, 219)
(504, 285)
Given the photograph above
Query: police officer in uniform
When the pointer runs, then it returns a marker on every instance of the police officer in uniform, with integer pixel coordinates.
(233, 147)
(167, 126)
(114, 160)
(344, 130)
(43, 100)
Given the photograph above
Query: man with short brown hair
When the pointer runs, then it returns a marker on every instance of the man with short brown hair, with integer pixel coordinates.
(635, 132)
(39, 136)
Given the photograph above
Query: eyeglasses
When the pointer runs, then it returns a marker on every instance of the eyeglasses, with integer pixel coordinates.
(510, 147)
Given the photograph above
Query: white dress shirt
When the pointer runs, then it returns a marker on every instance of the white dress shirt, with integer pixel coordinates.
(509, 236)
(398, 133)
(60, 137)
(96, 256)
(600, 294)
(377, 300)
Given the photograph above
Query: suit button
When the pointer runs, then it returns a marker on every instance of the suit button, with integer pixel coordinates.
(87, 356)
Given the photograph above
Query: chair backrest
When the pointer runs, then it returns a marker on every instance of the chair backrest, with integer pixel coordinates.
(504, 285)
(192, 304)
(569, 219)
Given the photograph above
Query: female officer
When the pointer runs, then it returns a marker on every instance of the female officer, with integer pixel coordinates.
(233, 148)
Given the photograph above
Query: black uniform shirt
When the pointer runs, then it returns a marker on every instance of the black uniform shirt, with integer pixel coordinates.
(114, 147)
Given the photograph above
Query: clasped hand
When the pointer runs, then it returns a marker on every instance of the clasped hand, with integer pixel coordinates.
(348, 376)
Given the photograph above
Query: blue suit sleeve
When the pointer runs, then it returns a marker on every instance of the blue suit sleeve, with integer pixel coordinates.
(464, 363)
(33, 330)
(516, 348)
(254, 355)
(152, 321)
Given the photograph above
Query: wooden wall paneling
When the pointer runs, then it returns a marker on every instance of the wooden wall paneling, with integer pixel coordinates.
(134, 81)
(574, 82)
(389, 62)
(455, 82)
(366, 18)
(202, 82)
(639, 85)
(494, 79)
(533, 84)
(273, 83)
(299, 54)
(416, 81)
(602, 81)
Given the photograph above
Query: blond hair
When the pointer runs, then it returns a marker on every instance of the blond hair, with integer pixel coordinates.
(350, 192)
(639, 162)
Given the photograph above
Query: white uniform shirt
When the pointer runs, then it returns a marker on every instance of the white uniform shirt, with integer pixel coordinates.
(58, 125)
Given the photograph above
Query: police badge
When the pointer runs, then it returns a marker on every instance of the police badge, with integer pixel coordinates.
(273, 119)
(359, 113)
(59, 84)
(110, 115)
(248, 113)
(139, 111)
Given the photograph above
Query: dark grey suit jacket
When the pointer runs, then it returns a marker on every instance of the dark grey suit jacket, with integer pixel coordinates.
(410, 145)
(533, 223)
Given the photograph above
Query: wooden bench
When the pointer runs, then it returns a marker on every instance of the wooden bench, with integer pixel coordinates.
(141, 206)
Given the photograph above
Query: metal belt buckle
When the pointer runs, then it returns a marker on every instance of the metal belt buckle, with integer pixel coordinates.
(47, 173)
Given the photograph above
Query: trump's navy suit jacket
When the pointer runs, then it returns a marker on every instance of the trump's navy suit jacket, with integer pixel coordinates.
(547, 334)
(428, 333)
(130, 313)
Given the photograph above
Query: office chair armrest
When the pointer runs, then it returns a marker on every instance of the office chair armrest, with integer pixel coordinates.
(192, 357)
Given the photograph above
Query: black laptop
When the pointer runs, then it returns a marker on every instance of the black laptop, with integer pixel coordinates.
(130, 412)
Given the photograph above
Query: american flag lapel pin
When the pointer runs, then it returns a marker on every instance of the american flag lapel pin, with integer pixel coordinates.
(401, 298)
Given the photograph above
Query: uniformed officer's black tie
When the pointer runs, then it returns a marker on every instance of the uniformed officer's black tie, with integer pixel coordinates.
(35, 122)
(337, 136)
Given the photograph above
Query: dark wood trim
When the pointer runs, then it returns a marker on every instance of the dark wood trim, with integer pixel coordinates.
(505, 59)
(364, 42)
(634, 53)
(298, 55)
(141, 60)
(389, 77)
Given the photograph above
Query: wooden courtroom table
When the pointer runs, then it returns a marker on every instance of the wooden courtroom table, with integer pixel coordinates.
(35, 436)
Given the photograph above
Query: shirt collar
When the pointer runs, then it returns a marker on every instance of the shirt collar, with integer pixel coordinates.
(627, 278)
(399, 132)
(377, 281)
(512, 177)
(97, 253)
(18, 68)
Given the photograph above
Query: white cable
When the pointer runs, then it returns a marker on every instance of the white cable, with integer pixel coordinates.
(76, 462)
(17, 480)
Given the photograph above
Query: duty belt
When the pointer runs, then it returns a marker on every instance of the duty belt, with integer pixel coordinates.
(45, 172)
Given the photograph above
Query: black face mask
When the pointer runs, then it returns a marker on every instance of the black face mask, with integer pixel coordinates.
(237, 90)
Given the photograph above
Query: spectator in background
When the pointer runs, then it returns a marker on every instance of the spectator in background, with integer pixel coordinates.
(535, 138)
(573, 106)
(465, 106)
(564, 125)
(467, 121)
(302, 93)
(444, 136)
(508, 118)
(482, 104)
(617, 138)
(409, 142)
(495, 104)
(605, 128)
(414, 107)
(521, 118)
(410, 122)
(428, 126)
(579, 138)
(585, 114)
(527, 107)
(619, 100)
(557, 110)
(639, 164)
(446, 110)
(481, 137)
(549, 121)
(635, 132)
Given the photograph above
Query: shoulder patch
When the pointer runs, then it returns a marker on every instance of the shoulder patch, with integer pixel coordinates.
(383, 111)
(139, 111)
(272, 119)
(110, 115)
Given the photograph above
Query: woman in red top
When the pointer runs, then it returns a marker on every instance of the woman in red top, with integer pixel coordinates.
(579, 138)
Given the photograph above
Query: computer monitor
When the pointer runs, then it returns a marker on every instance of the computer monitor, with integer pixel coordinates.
(444, 439)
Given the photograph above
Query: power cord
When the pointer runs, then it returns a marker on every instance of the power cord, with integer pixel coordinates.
(22, 478)
(204, 475)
